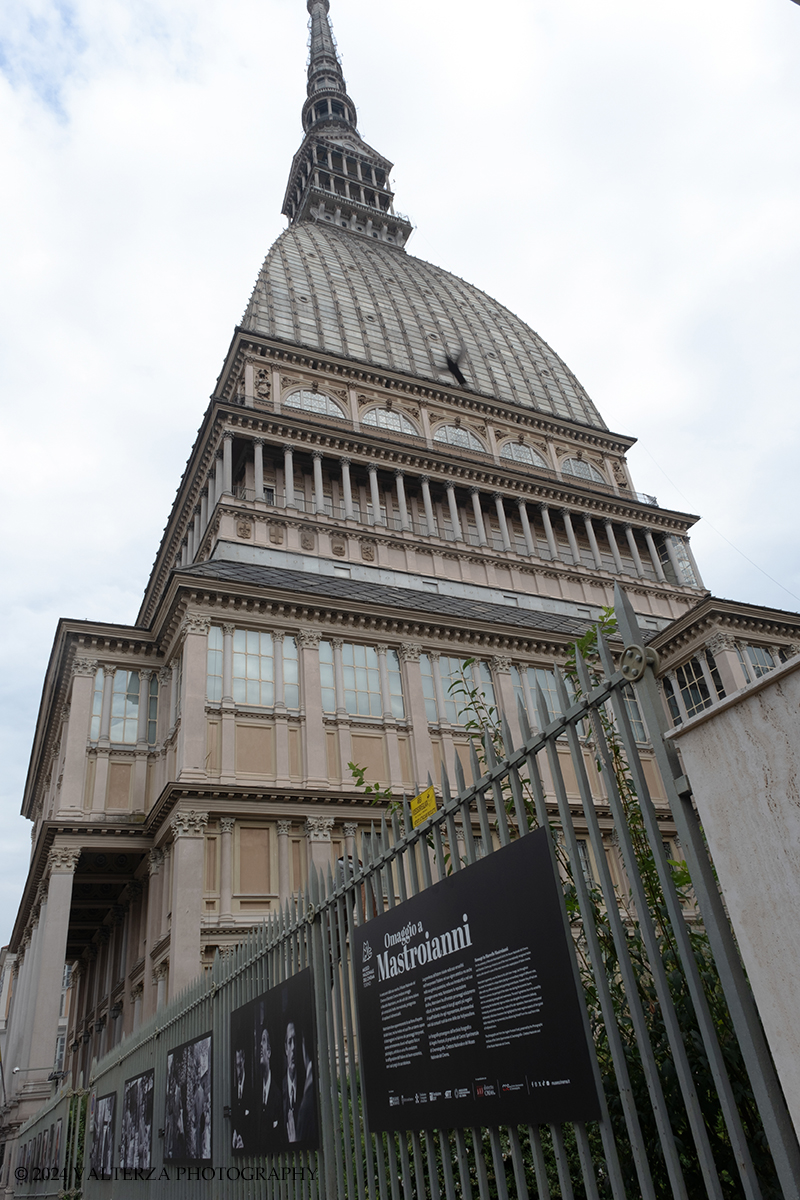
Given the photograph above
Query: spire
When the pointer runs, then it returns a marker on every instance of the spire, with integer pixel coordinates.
(335, 176)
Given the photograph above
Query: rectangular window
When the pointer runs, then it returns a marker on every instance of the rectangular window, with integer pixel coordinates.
(97, 705)
(291, 674)
(694, 688)
(214, 667)
(152, 711)
(253, 668)
(395, 683)
(125, 708)
(362, 680)
(61, 1046)
(761, 660)
(715, 675)
(327, 677)
(743, 663)
(428, 689)
(586, 861)
(672, 703)
(634, 713)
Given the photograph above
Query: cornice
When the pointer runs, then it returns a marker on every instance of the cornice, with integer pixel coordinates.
(712, 615)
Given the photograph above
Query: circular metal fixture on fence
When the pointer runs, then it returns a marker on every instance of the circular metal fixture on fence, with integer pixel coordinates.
(635, 660)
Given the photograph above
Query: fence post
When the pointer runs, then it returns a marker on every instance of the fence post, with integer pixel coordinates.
(767, 1090)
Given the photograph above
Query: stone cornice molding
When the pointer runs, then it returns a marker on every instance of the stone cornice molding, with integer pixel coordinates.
(188, 824)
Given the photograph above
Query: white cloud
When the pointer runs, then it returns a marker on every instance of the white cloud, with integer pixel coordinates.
(624, 176)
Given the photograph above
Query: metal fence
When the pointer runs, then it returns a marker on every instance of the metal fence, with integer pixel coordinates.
(690, 1102)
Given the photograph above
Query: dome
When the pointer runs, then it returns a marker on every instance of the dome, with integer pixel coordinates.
(339, 293)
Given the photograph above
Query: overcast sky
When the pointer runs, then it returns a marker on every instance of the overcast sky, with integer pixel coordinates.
(623, 175)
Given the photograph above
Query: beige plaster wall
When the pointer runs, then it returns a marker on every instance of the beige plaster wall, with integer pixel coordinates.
(743, 759)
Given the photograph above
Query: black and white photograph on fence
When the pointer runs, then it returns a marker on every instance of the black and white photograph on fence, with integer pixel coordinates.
(468, 1004)
(101, 1158)
(56, 1161)
(137, 1121)
(187, 1119)
(274, 1071)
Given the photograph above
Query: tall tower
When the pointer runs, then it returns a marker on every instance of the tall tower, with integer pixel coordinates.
(396, 480)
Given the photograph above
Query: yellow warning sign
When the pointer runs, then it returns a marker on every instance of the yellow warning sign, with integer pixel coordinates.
(423, 806)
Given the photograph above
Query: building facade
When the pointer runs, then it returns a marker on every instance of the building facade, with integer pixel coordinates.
(397, 484)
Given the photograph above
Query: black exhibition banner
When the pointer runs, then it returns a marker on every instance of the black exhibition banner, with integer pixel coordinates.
(468, 1008)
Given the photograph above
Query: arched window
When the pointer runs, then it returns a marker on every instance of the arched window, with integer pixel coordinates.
(519, 452)
(387, 418)
(454, 435)
(581, 469)
(314, 402)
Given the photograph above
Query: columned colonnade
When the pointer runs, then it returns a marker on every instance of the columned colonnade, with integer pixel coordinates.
(527, 513)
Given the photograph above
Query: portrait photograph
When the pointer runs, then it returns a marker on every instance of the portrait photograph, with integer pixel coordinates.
(137, 1121)
(101, 1159)
(274, 1071)
(187, 1120)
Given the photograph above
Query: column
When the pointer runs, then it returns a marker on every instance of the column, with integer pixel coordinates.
(390, 723)
(437, 687)
(187, 898)
(227, 462)
(203, 510)
(477, 511)
(61, 864)
(501, 516)
(347, 490)
(453, 507)
(612, 541)
(227, 663)
(258, 467)
(289, 499)
(566, 517)
(155, 904)
(219, 474)
(316, 759)
(197, 532)
(506, 697)
(192, 742)
(530, 544)
(318, 833)
(548, 531)
(281, 723)
(166, 893)
(77, 733)
(144, 705)
(401, 499)
(674, 560)
(678, 694)
(137, 996)
(249, 384)
(319, 492)
(338, 675)
(723, 646)
(160, 981)
(654, 556)
(350, 832)
(589, 527)
(103, 745)
(634, 549)
(284, 883)
(211, 489)
(423, 763)
(426, 500)
(704, 667)
(375, 495)
(226, 825)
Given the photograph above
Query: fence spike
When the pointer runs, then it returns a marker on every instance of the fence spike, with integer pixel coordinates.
(508, 740)
(626, 618)
(445, 785)
(385, 829)
(460, 781)
(488, 746)
(561, 691)
(474, 762)
(524, 723)
(582, 668)
(541, 706)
